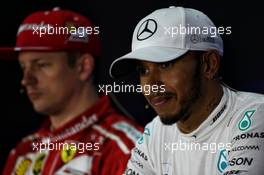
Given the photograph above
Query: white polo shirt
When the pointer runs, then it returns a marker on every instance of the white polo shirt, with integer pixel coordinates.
(229, 141)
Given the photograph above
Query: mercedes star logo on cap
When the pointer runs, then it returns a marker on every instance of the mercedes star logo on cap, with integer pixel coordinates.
(146, 29)
(195, 38)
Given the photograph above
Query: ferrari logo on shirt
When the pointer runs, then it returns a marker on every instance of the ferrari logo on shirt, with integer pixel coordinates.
(39, 163)
(245, 122)
(68, 153)
(70, 26)
(23, 167)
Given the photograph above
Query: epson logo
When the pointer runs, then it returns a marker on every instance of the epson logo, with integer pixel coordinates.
(241, 161)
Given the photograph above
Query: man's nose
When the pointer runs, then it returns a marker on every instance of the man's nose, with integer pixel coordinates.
(28, 78)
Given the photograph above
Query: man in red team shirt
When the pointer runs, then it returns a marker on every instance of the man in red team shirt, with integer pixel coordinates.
(83, 134)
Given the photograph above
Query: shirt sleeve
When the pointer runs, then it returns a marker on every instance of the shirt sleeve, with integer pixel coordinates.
(246, 155)
(140, 161)
(117, 142)
(10, 163)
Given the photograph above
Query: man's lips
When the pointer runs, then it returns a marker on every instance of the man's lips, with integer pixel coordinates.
(34, 95)
(160, 100)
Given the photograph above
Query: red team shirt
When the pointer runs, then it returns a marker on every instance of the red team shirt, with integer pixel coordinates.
(96, 142)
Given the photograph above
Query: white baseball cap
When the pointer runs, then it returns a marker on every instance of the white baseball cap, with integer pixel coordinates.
(167, 34)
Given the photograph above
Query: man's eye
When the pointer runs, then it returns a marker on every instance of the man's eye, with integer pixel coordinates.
(142, 70)
(165, 65)
(43, 65)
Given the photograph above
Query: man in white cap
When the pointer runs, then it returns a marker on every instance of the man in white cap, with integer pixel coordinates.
(202, 127)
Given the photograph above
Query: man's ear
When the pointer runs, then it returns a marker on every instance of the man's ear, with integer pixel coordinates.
(210, 64)
(85, 66)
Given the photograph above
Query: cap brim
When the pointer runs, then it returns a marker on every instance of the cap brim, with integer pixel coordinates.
(8, 53)
(126, 63)
(11, 53)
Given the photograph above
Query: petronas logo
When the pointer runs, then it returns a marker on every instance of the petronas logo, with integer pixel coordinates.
(147, 133)
(222, 163)
(245, 122)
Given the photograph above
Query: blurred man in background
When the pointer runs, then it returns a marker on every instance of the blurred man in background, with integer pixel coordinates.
(58, 51)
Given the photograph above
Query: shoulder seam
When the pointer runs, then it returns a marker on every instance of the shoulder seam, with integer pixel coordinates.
(114, 137)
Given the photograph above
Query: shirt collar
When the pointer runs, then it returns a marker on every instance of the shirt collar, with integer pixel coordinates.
(216, 116)
(84, 120)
